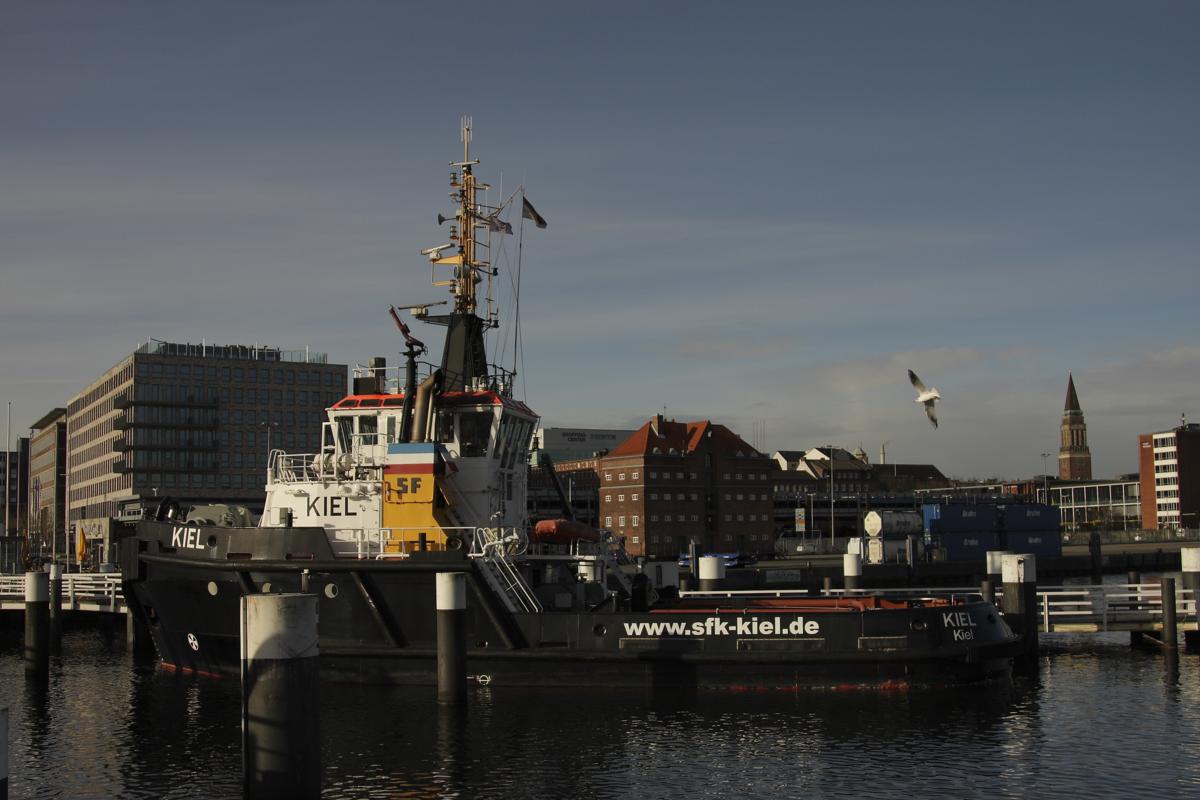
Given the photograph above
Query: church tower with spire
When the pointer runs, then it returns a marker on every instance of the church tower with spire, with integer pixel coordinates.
(1074, 457)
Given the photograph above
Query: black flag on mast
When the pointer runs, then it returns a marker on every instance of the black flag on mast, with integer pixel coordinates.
(529, 212)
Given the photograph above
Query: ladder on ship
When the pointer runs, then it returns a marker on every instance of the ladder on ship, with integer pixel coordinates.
(503, 577)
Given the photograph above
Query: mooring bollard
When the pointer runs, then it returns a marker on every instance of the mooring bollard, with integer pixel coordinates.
(851, 571)
(281, 713)
(988, 590)
(712, 573)
(37, 623)
(1170, 637)
(56, 586)
(1020, 604)
(1097, 557)
(827, 584)
(1190, 556)
(995, 564)
(56, 618)
(4, 753)
(451, 636)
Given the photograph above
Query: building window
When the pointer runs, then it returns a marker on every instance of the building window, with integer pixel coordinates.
(635, 476)
(620, 498)
(635, 522)
(621, 521)
(608, 498)
(608, 522)
(608, 476)
(725, 476)
(695, 518)
(634, 498)
(621, 477)
(728, 518)
(654, 517)
(654, 496)
(635, 539)
(653, 475)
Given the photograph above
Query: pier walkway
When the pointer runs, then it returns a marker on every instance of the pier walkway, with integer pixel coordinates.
(81, 591)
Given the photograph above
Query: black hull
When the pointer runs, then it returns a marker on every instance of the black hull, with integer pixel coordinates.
(377, 624)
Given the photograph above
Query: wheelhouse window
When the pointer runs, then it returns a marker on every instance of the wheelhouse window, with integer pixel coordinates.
(474, 429)
(368, 428)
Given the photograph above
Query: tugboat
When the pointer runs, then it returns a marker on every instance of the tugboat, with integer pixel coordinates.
(424, 471)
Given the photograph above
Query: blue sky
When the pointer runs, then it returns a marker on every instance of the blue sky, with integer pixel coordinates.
(761, 212)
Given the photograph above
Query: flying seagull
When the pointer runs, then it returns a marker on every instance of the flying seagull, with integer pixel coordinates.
(927, 397)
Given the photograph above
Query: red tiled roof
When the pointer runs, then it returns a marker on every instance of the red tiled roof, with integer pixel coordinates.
(678, 437)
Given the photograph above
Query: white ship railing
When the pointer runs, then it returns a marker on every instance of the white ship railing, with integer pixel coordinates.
(296, 467)
(384, 543)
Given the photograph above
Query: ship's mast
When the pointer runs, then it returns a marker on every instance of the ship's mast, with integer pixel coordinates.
(464, 358)
(466, 276)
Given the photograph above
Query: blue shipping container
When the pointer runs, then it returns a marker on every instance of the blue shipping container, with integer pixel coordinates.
(963, 517)
(1030, 517)
(1040, 543)
(961, 546)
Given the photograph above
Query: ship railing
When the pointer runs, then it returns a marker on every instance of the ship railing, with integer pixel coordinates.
(386, 543)
(487, 541)
(955, 594)
(293, 467)
(390, 380)
(308, 467)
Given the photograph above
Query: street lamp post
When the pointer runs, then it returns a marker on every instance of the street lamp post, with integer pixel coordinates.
(831, 546)
(1046, 478)
(7, 469)
(268, 425)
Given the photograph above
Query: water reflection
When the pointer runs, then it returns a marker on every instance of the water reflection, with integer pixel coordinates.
(109, 726)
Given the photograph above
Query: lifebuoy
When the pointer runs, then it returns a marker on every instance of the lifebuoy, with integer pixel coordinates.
(454, 543)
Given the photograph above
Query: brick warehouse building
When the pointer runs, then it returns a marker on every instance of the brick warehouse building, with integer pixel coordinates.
(671, 483)
(193, 422)
(1169, 477)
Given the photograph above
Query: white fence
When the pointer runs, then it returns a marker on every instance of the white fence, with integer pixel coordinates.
(81, 591)
(1072, 609)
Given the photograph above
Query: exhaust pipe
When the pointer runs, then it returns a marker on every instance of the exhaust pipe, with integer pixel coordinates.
(424, 404)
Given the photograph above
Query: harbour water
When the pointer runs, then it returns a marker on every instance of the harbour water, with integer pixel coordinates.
(1101, 720)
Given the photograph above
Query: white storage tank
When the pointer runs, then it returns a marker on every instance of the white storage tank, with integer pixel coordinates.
(889, 524)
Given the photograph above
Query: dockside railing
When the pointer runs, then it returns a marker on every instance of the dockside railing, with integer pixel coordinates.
(1067, 609)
